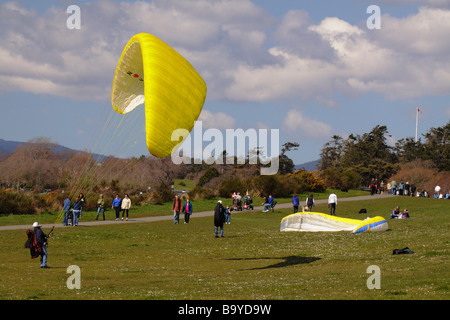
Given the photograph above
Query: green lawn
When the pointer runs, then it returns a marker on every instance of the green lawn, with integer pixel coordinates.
(254, 260)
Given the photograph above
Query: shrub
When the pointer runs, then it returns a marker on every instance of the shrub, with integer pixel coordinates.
(306, 181)
(229, 186)
(265, 185)
(338, 179)
(162, 194)
(424, 176)
(16, 203)
(201, 193)
(207, 176)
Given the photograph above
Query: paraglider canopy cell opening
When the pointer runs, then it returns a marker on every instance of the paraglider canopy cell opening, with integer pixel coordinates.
(128, 90)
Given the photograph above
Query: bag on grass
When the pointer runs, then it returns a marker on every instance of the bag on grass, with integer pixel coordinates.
(402, 251)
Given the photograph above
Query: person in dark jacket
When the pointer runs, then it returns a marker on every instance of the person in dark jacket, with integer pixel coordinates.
(310, 202)
(76, 206)
(219, 218)
(41, 239)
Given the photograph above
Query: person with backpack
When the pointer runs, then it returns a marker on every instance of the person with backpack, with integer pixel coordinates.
(40, 243)
(310, 202)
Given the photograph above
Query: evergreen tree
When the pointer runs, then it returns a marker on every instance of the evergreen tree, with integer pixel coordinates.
(286, 163)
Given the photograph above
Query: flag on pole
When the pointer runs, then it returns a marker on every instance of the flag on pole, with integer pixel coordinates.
(417, 121)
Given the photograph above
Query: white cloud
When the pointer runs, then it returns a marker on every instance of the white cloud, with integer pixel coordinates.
(296, 122)
(41, 55)
(430, 3)
(228, 43)
(217, 120)
(421, 34)
(406, 59)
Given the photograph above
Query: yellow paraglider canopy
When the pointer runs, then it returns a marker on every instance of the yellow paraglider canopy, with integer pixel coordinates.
(151, 71)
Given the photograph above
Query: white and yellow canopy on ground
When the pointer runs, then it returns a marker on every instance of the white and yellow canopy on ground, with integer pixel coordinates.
(316, 222)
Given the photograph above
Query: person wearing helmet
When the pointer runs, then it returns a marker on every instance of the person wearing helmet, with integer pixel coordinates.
(41, 239)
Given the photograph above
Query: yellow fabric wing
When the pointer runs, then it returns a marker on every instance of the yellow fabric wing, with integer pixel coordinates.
(151, 72)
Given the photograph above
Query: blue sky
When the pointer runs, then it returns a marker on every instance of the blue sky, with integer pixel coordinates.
(311, 69)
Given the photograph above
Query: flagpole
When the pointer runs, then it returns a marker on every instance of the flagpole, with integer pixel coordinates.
(417, 121)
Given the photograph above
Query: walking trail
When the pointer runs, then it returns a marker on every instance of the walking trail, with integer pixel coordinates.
(195, 215)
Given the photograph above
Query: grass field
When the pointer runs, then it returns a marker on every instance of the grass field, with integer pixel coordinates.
(253, 261)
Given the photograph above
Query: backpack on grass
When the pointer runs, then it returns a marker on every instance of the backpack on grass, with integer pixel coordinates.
(402, 251)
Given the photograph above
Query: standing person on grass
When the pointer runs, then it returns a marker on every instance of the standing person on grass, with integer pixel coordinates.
(227, 215)
(295, 203)
(219, 219)
(310, 202)
(82, 202)
(332, 203)
(66, 208)
(100, 207)
(125, 206)
(41, 241)
(187, 210)
(116, 205)
(176, 208)
(76, 206)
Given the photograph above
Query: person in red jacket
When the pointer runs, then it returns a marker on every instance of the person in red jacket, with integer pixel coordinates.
(176, 208)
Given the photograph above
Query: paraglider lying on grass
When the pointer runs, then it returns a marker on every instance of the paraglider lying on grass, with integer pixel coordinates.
(315, 221)
(372, 224)
(151, 71)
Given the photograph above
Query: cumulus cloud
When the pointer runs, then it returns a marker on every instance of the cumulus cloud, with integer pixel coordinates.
(241, 51)
(39, 54)
(217, 120)
(430, 3)
(296, 122)
(407, 58)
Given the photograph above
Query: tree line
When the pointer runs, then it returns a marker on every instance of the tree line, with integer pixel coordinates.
(37, 176)
(357, 159)
(38, 166)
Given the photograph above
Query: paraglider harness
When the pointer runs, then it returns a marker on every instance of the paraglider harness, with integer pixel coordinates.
(33, 245)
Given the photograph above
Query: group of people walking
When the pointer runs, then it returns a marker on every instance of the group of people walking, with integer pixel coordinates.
(222, 215)
(401, 189)
(118, 204)
(310, 202)
(178, 206)
(72, 212)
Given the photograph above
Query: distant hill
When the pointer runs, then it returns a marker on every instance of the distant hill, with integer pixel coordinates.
(8, 147)
(308, 166)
